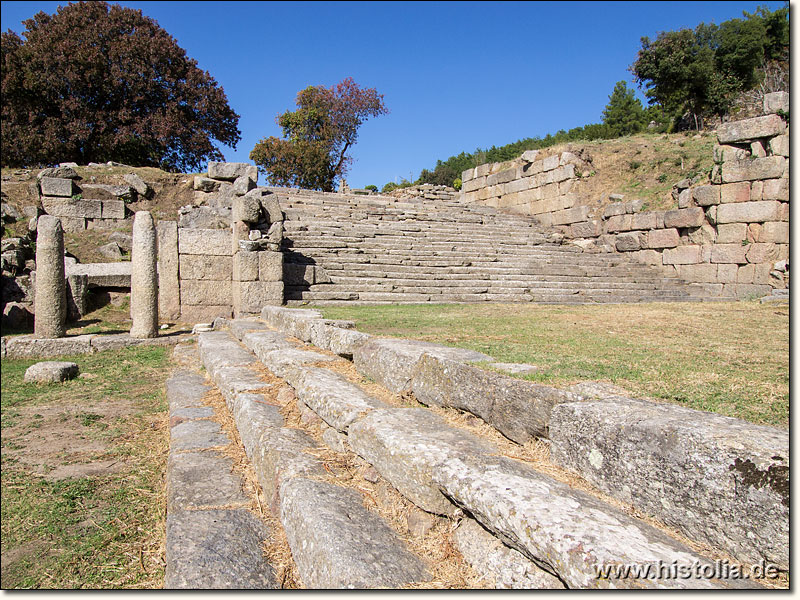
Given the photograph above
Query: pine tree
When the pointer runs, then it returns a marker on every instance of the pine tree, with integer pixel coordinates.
(624, 114)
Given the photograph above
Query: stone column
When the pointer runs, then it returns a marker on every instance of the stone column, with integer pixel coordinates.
(144, 277)
(50, 302)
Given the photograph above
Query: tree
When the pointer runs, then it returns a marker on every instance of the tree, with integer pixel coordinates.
(317, 136)
(95, 82)
(624, 114)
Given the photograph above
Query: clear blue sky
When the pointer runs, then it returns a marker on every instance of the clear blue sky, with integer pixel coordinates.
(455, 76)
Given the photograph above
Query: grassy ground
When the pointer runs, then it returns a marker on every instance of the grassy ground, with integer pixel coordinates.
(83, 466)
(729, 358)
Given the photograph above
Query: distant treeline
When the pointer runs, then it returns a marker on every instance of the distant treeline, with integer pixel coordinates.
(687, 76)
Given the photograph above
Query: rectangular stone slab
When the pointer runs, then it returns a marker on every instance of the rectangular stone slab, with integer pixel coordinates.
(518, 409)
(202, 479)
(391, 362)
(337, 401)
(337, 543)
(719, 480)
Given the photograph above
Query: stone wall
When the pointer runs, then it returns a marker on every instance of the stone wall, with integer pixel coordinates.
(428, 191)
(223, 257)
(530, 186)
(730, 231)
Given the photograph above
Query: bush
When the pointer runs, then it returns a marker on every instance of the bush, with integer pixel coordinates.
(371, 188)
(457, 184)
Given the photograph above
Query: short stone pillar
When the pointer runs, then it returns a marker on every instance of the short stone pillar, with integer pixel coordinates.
(50, 302)
(144, 277)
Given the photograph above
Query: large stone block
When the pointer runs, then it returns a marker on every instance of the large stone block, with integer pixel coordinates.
(729, 253)
(245, 266)
(776, 101)
(584, 229)
(204, 314)
(719, 480)
(205, 293)
(270, 266)
(683, 255)
(702, 273)
(100, 191)
(629, 242)
(762, 253)
(776, 189)
(468, 175)
(66, 207)
(216, 242)
(256, 294)
(502, 177)
(752, 169)
(662, 238)
(750, 129)
(103, 274)
(473, 184)
(749, 212)
(194, 266)
(645, 220)
(706, 195)
(520, 410)
(570, 215)
(246, 208)
(112, 209)
(55, 186)
(731, 233)
(684, 217)
(734, 192)
(779, 145)
(231, 171)
(619, 223)
(775, 232)
(169, 294)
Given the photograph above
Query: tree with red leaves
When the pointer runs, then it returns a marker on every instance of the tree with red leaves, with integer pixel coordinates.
(94, 83)
(317, 135)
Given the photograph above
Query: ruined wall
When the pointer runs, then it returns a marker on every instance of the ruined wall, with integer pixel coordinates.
(223, 257)
(729, 233)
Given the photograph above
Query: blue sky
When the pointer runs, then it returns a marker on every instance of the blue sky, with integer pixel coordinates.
(455, 76)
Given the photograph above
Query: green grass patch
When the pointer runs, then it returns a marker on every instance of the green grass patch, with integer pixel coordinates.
(729, 358)
(100, 523)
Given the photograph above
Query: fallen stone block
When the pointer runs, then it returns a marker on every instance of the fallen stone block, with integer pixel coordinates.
(719, 480)
(54, 186)
(140, 185)
(507, 567)
(227, 171)
(103, 274)
(25, 346)
(296, 322)
(51, 372)
(337, 401)
(518, 409)
(217, 549)
(391, 362)
(337, 543)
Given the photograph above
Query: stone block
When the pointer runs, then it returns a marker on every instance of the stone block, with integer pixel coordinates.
(586, 229)
(73, 224)
(205, 184)
(100, 191)
(619, 223)
(518, 185)
(776, 232)
(549, 190)
(682, 255)
(169, 299)
(520, 410)
(257, 294)
(776, 101)
(530, 155)
(749, 212)
(700, 273)
(502, 177)
(776, 189)
(270, 266)
(51, 372)
(662, 238)
(685, 198)
(474, 184)
(762, 253)
(684, 217)
(76, 209)
(729, 153)
(753, 169)
(468, 175)
(711, 215)
(231, 171)
(194, 266)
(141, 187)
(757, 150)
(550, 163)
(706, 195)
(215, 242)
(112, 209)
(734, 192)
(245, 266)
(103, 274)
(570, 215)
(648, 257)
(645, 220)
(729, 253)
(56, 186)
(246, 208)
(779, 145)
(745, 274)
(629, 242)
(668, 460)
(705, 234)
(243, 184)
(731, 233)
(482, 170)
(204, 314)
(748, 130)
(727, 273)
(205, 292)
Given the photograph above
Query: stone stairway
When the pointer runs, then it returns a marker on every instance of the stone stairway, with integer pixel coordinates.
(365, 489)
(376, 249)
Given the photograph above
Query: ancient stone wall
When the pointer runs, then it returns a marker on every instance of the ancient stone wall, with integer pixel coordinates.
(730, 232)
(223, 257)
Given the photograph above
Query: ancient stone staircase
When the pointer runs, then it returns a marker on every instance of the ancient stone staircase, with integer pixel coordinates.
(376, 249)
(361, 487)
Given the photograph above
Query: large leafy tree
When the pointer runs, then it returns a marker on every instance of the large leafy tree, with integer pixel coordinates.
(317, 136)
(624, 113)
(699, 72)
(95, 82)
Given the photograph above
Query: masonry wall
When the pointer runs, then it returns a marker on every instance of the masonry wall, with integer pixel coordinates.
(730, 232)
